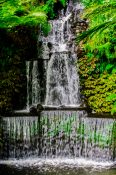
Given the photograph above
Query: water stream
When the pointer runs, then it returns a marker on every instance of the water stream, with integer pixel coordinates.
(54, 73)
(56, 134)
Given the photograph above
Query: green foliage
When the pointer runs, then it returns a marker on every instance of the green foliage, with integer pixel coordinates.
(100, 38)
(98, 65)
(18, 12)
(88, 3)
(48, 7)
(63, 2)
(112, 98)
(98, 90)
(30, 13)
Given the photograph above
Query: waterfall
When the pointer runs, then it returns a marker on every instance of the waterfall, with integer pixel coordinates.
(59, 57)
(57, 134)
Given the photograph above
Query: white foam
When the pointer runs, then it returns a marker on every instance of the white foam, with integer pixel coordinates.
(62, 106)
(59, 162)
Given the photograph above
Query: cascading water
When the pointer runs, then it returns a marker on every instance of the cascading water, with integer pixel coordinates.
(57, 134)
(61, 84)
(56, 139)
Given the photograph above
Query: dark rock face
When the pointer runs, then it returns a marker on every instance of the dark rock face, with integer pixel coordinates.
(36, 110)
(16, 47)
(33, 110)
(39, 108)
(6, 111)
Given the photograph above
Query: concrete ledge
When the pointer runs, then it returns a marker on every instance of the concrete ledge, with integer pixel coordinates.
(101, 115)
(46, 108)
(64, 108)
(24, 113)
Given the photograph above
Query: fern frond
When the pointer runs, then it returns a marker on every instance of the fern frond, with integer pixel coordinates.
(96, 29)
(100, 9)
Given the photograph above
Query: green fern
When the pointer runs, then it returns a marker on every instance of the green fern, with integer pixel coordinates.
(99, 44)
(26, 12)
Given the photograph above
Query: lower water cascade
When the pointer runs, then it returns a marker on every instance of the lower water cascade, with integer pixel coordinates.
(58, 143)
(58, 134)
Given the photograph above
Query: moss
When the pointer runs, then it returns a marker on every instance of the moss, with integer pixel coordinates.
(97, 87)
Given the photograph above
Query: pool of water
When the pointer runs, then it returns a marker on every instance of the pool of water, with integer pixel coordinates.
(59, 166)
